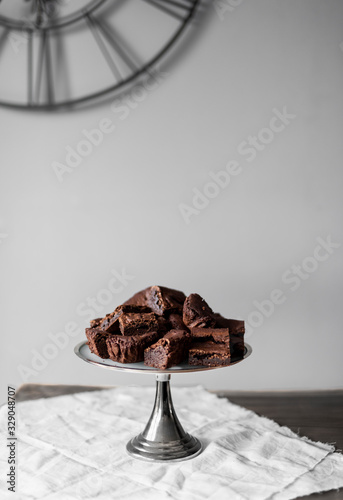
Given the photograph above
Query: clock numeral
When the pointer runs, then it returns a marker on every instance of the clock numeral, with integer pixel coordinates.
(45, 57)
(30, 69)
(100, 28)
(3, 36)
(172, 7)
(119, 47)
(185, 5)
(95, 30)
(61, 72)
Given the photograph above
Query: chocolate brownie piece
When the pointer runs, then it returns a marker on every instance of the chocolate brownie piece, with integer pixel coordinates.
(237, 345)
(136, 323)
(215, 350)
(236, 328)
(209, 354)
(176, 322)
(129, 349)
(95, 322)
(169, 351)
(110, 323)
(196, 312)
(216, 335)
(97, 342)
(163, 325)
(161, 299)
(139, 298)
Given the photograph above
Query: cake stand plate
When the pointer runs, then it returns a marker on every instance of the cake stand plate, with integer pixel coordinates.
(163, 438)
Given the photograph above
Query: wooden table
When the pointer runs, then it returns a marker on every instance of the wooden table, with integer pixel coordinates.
(317, 415)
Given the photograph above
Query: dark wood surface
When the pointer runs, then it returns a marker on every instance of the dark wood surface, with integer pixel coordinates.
(317, 415)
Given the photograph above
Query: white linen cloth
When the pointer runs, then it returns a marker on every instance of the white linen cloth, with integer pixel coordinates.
(73, 447)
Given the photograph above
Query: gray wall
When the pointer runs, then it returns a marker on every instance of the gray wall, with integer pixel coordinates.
(279, 207)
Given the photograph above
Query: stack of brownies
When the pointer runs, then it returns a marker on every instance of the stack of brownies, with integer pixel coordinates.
(163, 327)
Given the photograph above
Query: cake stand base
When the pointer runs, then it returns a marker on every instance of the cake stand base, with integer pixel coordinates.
(163, 438)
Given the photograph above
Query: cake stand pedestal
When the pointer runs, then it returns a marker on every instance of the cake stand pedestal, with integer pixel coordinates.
(163, 438)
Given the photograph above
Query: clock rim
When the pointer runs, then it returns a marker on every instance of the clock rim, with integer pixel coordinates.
(76, 16)
(113, 89)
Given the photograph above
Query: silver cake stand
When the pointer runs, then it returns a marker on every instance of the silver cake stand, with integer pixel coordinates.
(163, 438)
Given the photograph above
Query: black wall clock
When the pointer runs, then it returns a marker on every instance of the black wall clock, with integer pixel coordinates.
(62, 53)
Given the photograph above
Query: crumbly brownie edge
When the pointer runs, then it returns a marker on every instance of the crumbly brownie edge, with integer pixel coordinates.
(214, 359)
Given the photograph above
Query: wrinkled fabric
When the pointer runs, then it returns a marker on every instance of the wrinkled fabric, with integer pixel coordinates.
(73, 447)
